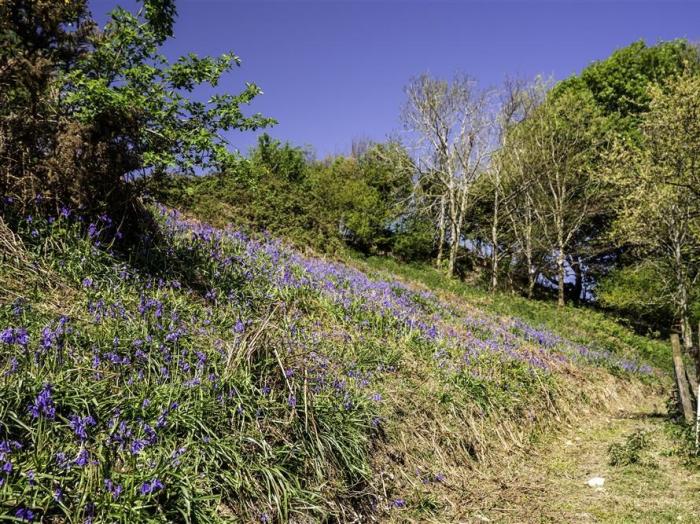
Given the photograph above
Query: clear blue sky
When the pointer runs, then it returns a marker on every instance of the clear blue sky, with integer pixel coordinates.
(334, 70)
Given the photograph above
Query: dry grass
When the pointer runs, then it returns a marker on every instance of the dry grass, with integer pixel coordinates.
(489, 462)
(548, 483)
(20, 275)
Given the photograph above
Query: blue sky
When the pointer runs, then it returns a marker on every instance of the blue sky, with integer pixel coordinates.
(334, 70)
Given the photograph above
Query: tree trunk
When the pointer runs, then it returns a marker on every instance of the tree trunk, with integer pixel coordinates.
(561, 269)
(578, 283)
(454, 247)
(681, 382)
(530, 280)
(494, 244)
(682, 299)
(561, 273)
(441, 236)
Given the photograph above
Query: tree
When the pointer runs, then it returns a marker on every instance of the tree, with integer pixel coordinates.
(450, 124)
(508, 176)
(119, 107)
(39, 39)
(620, 84)
(659, 215)
(368, 194)
(562, 140)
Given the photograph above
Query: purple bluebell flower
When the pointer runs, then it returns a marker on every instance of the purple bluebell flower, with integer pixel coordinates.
(25, 514)
(18, 336)
(43, 404)
(79, 425)
(82, 459)
(114, 489)
(149, 487)
(137, 446)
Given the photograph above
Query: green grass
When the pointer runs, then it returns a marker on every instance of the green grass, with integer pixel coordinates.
(579, 324)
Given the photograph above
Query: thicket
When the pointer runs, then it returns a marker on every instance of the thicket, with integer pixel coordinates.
(363, 202)
(207, 375)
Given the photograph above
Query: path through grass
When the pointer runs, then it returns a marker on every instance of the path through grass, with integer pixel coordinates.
(551, 484)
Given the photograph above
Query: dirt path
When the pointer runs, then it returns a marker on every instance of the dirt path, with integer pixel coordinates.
(551, 484)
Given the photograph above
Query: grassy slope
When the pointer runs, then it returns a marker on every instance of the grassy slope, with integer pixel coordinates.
(581, 325)
(254, 383)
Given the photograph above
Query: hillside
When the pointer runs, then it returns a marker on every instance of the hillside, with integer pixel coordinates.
(209, 376)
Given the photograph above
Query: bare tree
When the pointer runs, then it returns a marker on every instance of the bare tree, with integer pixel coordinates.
(449, 121)
(516, 102)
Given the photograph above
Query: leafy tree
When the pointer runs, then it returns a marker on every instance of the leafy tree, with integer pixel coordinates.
(560, 142)
(369, 194)
(123, 109)
(620, 84)
(659, 216)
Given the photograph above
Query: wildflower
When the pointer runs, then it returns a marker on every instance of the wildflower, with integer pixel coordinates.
(399, 503)
(61, 460)
(79, 425)
(87, 282)
(43, 404)
(377, 397)
(292, 401)
(25, 514)
(176, 456)
(82, 459)
(18, 336)
(114, 489)
(149, 487)
(137, 446)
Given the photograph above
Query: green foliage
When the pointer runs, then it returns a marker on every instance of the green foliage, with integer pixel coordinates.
(631, 452)
(655, 180)
(358, 202)
(145, 99)
(94, 108)
(620, 83)
(414, 241)
(639, 293)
